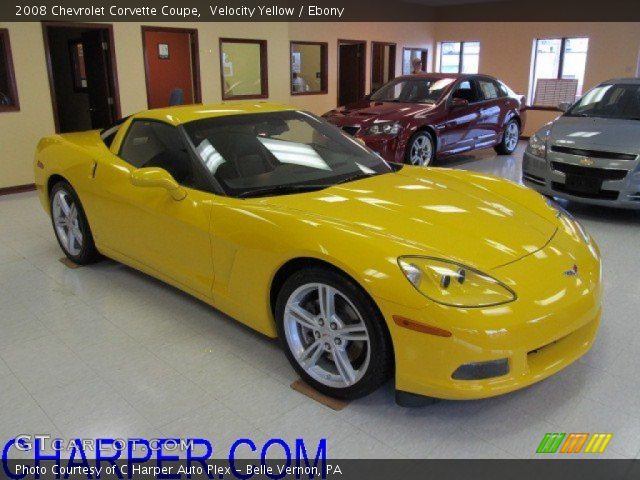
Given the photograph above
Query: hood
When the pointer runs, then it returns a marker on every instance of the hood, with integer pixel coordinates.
(381, 111)
(445, 213)
(622, 136)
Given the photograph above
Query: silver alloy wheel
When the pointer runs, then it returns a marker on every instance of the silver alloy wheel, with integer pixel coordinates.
(511, 135)
(327, 335)
(421, 150)
(66, 222)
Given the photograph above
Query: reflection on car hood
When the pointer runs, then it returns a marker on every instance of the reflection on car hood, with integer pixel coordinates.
(594, 133)
(438, 212)
(382, 110)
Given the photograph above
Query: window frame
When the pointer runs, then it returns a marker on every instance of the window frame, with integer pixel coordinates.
(264, 69)
(534, 61)
(460, 57)
(11, 77)
(324, 67)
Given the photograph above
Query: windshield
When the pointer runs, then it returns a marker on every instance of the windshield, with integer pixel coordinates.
(609, 101)
(412, 90)
(279, 152)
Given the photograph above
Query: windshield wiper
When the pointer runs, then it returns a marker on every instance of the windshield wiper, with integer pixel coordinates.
(281, 190)
(354, 177)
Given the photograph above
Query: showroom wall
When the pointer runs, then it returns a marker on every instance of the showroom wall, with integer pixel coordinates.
(506, 50)
(20, 131)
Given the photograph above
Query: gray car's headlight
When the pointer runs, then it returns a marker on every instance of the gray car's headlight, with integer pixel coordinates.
(572, 225)
(389, 128)
(454, 284)
(537, 146)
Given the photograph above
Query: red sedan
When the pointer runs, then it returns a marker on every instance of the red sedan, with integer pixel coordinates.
(414, 118)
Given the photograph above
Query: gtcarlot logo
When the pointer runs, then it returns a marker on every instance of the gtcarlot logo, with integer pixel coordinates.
(574, 442)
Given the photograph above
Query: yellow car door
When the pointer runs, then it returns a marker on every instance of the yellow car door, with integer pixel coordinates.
(141, 223)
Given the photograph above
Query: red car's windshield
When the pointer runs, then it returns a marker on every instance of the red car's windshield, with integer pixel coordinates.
(413, 90)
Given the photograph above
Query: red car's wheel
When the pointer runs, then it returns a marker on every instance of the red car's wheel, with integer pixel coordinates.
(420, 149)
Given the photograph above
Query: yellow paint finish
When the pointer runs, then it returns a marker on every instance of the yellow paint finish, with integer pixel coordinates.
(227, 251)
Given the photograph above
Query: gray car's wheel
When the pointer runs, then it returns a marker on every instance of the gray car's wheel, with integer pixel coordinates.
(333, 334)
(420, 149)
(510, 138)
(70, 225)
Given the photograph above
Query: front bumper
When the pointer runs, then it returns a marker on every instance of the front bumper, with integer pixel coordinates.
(552, 323)
(538, 174)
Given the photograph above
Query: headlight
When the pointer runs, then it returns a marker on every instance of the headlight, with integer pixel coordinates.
(537, 146)
(571, 225)
(389, 128)
(454, 284)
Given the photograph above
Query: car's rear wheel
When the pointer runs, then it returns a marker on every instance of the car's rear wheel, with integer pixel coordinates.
(333, 334)
(71, 226)
(510, 138)
(420, 149)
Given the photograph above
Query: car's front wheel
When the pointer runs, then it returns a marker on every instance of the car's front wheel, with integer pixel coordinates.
(420, 149)
(510, 138)
(333, 334)
(70, 225)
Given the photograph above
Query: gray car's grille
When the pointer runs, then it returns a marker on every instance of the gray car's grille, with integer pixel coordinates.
(601, 173)
(351, 129)
(593, 153)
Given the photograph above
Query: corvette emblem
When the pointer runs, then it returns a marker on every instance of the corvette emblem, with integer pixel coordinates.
(572, 272)
(586, 161)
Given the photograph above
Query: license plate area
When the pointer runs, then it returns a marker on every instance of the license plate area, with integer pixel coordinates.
(583, 184)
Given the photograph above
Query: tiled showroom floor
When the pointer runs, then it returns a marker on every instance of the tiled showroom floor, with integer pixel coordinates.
(105, 351)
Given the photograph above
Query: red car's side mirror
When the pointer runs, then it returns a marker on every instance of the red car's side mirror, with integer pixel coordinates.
(459, 102)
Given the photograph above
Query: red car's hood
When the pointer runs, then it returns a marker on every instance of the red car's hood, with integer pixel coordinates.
(366, 110)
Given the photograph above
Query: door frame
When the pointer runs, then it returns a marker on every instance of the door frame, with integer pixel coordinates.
(112, 74)
(393, 47)
(363, 65)
(195, 58)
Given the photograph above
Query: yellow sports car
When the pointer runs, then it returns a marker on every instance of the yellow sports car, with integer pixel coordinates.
(459, 284)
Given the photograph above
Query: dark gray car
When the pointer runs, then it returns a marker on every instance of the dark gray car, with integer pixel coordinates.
(592, 152)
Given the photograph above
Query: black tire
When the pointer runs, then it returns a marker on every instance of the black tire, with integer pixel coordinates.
(380, 365)
(409, 156)
(87, 253)
(505, 147)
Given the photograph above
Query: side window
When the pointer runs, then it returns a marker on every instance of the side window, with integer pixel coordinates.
(156, 144)
(488, 88)
(466, 90)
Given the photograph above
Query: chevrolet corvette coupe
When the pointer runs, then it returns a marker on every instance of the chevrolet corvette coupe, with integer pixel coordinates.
(459, 284)
(415, 118)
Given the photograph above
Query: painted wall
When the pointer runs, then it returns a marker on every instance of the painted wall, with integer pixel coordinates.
(506, 52)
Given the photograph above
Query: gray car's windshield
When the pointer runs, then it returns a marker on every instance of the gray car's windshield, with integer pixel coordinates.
(620, 101)
(277, 153)
(412, 90)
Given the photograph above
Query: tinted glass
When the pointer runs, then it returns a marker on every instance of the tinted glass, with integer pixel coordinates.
(413, 90)
(275, 153)
(609, 101)
(156, 144)
(489, 89)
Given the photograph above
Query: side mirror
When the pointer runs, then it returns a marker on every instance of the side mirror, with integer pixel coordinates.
(564, 106)
(459, 102)
(158, 177)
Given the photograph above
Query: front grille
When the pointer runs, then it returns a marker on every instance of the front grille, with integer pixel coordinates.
(351, 129)
(601, 195)
(533, 178)
(593, 153)
(601, 173)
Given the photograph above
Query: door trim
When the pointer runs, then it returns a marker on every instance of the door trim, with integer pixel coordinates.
(113, 73)
(363, 66)
(195, 58)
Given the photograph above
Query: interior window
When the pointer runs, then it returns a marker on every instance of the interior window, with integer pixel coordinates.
(466, 91)
(156, 144)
